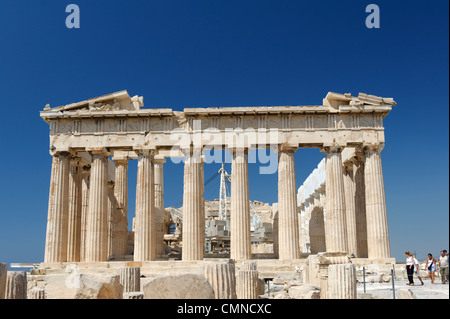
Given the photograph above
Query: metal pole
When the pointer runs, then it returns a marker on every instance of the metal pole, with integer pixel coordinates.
(364, 278)
(268, 288)
(393, 284)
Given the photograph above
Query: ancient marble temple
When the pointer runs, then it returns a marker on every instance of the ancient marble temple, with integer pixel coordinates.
(92, 142)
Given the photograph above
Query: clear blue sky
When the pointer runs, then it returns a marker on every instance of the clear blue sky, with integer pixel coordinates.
(229, 53)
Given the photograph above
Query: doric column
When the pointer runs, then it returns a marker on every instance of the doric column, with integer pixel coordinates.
(3, 275)
(121, 195)
(145, 232)
(335, 225)
(360, 208)
(74, 227)
(130, 278)
(16, 285)
(193, 232)
(288, 242)
(113, 222)
(349, 186)
(58, 206)
(36, 293)
(159, 204)
(222, 277)
(342, 281)
(240, 237)
(96, 245)
(85, 181)
(377, 223)
(247, 281)
(317, 225)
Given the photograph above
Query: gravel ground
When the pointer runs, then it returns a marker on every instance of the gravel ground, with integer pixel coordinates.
(427, 291)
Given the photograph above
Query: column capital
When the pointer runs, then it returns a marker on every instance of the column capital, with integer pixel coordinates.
(284, 148)
(159, 159)
(120, 160)
(145, 152)
(102, 151)
(332, 148)
(61, 154)
(374, 147)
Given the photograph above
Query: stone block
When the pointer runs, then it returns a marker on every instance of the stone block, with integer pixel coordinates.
(179, 286)
(83, 286)
(304, 292)
(282, 295)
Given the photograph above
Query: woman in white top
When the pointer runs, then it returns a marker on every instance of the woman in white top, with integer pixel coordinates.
(431, 266)
(410, 267)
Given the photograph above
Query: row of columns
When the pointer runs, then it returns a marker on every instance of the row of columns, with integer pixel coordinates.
(79, 201)
(355, 200)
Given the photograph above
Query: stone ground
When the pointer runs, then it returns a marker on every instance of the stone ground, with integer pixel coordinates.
(427, 291)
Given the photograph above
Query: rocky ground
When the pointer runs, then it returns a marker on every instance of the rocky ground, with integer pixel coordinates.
(427, 291)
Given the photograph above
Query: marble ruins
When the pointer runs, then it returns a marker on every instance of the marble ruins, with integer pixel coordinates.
(336, 221)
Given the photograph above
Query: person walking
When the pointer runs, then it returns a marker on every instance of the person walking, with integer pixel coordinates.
(410, 267)
(417, 269)
(431, 266)
(443, 266)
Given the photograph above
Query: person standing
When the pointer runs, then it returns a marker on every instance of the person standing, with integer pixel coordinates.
(431, 266)
(443, 266)
(417, 269)
(410, 268)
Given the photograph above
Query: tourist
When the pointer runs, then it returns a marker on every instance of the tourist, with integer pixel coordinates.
(431, 266)
(443, 266)
(417, 269)
(410, 267)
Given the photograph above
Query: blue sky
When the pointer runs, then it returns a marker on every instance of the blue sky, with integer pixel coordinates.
(228, 53)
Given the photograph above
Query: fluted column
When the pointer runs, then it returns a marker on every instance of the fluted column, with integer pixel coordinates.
(121, 195)
(222, 277)
(113, 223)
(288, 243)
(349, 186)
(145, 232)
(247, 281)
(240, 237)
(377, 223)
(97, 220)
(335, 225)
(58, 206)
(16, 285)
(74, 234)
(36, 293)
(130, 279)
(193, 233)
(360, 209)
(159, 204)
(85, 181)
(342, 281)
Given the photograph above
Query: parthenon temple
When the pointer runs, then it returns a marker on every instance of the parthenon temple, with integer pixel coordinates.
(340, 208)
